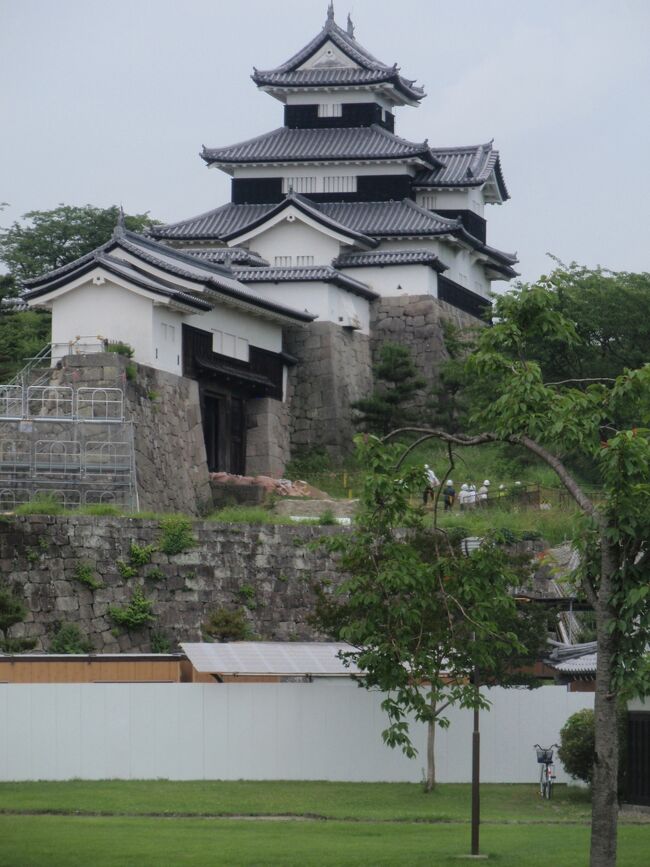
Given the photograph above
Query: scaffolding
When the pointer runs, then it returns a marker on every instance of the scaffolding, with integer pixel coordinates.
(72, 444)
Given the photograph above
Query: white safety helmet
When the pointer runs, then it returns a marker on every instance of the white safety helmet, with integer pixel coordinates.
(426, 466)
(450, 481)
(487, 483)
(464, 487)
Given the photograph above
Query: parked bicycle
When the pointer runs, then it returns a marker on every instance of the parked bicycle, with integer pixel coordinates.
(546, 770)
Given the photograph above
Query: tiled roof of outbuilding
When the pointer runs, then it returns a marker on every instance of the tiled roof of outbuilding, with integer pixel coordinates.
(344, 40)
(308, 145)
(309, 274)
(227, 256)
(466, 166)
(386, 258)
(577, 659)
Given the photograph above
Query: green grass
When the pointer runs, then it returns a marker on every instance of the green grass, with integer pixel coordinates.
(31, 841)
(161, 822)
(361, 801)
(554, 526)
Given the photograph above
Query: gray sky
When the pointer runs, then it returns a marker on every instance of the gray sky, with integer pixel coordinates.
(108, 102)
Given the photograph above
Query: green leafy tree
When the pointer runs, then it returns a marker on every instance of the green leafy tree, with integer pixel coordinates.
(68, 638)
(420, 614)
(392, 401)
(45, 240)
(551, 420)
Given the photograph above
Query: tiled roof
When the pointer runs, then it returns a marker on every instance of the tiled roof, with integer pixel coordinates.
(574, 658)
(366, 218)
(213, 279)
(468, 166)
(385, 258)
(307, 145)
(310, 274)
(344, 40)
(227, 256)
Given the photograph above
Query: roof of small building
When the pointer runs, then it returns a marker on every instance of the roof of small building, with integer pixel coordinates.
(579, 659)
(214, 279)
(306, 274)
(287, 145)
(279, 658)
(364, 63)
(386, 258)
(465, 166)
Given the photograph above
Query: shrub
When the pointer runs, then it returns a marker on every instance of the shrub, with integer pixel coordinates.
(119, 348)
(125, 570)
(12, 611)
(226, 625)
(140, 555)
(577, 748)
(139, 611)
(328, 518)
(68, 638)
(159, 642)
(176, 534)
(100, 510)
(84, 574)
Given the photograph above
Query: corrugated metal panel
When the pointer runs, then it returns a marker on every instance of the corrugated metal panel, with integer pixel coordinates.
(270, 657)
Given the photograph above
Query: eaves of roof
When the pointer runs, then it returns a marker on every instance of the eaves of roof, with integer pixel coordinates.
(229, 256)
(465, 166)
(330, 144)
(388, 258)
(119, 268)
(308, 274)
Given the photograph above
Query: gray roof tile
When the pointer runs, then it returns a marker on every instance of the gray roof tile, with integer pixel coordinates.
(386, 258)
(227, 256)
(304, 145)
(309, 274)
(467, 166)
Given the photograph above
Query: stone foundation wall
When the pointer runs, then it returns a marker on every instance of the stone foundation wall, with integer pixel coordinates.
(415, 321)
(170, 459)
(333, 371)
(265, 571)
(267, 437)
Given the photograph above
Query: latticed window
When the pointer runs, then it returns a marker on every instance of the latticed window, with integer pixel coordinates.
(304, 260)
(331, 109)
(340, 184)
(283, 261)
(304, 184)
(428, 200)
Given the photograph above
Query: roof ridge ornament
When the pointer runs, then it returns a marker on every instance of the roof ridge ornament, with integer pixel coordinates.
(120, 226)
(330, 13)
(350, 27)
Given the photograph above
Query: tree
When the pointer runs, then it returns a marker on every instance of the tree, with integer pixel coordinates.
(579, 416)
(54, 238)
(391, 403)
(420, 614)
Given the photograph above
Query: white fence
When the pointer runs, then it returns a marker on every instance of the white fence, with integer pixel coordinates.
(325, 730)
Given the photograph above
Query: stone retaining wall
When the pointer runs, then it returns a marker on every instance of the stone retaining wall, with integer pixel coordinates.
(265, 571)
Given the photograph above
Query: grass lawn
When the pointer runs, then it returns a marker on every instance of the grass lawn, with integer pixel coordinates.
(169, 823)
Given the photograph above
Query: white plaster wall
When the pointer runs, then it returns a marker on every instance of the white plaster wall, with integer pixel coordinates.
(325, 730)
(107, 310)
(462, 265)
(470, 199)
(295, 239)
(323, 97)
(413, 279)
(329, 303)
(259, 332)
(168, 339)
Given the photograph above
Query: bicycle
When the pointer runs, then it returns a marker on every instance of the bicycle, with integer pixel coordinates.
(546, 771)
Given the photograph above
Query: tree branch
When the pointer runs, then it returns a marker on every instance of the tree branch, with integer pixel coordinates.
(586, 379)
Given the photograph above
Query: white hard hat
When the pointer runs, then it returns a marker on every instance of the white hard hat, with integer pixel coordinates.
(450, 482)
(463, 487)
(486, 482)
(426, 466)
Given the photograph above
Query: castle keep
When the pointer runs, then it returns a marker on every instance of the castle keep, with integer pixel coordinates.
(339, 235)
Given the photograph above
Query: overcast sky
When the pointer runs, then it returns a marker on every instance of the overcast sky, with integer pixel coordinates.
(107, 102)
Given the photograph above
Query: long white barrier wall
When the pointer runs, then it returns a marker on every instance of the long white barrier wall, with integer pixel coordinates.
(325, 730)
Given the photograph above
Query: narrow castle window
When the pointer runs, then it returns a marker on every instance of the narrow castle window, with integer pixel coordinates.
(304, 260)
(283, 261)
(330, 109)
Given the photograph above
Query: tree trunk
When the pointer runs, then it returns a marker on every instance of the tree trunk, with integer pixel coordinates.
(431, 758)
(604, 809)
